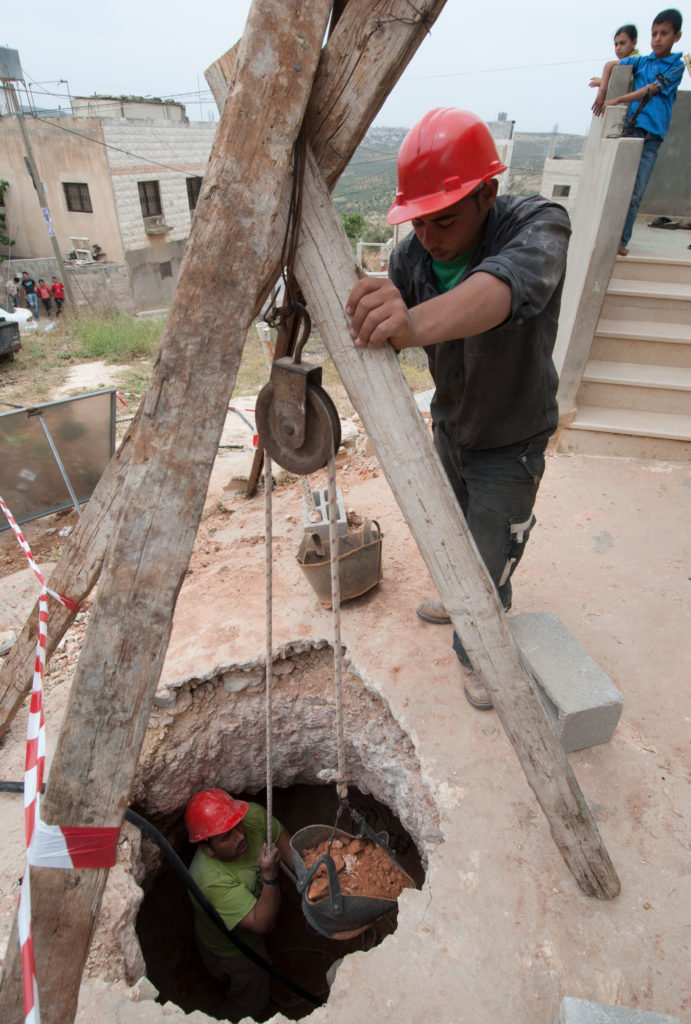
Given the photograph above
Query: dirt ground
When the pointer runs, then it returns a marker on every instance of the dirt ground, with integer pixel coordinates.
(499, 932)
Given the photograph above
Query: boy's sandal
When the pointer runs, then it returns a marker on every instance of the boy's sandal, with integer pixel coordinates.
(664, 222)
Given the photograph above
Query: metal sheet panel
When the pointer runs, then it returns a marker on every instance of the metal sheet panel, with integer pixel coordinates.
(83, 432)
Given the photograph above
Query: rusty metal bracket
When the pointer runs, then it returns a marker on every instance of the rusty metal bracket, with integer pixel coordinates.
(288, 383)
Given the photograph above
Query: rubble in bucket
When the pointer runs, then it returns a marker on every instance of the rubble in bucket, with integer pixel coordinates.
(346, 881)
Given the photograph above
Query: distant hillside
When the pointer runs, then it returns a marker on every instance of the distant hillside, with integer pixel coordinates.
(368, 184)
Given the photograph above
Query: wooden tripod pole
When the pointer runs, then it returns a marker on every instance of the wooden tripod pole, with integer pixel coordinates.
(162, 496)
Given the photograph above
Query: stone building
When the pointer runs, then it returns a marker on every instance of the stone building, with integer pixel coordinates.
(121, 192)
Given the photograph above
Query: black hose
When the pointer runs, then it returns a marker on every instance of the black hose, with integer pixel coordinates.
(152, 833)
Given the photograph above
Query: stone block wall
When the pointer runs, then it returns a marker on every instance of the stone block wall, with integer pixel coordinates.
(102, 286)
(178, 151)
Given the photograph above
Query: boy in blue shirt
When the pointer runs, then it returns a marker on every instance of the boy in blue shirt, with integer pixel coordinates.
(655, 82)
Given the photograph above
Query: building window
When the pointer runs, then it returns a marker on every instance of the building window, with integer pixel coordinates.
(150, 198)
(77, 197)
(166, 269)
(194, 186)
(561, 191)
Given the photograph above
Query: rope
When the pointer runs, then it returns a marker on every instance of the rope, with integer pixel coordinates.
(268, 546)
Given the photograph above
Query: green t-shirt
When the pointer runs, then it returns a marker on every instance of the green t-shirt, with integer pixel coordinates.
(449, 273)
(232, 887)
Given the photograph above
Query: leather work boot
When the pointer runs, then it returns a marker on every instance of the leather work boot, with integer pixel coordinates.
(433, 611)
(476, 692)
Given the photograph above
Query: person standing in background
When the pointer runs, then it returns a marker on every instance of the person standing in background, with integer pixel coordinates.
(58, 291)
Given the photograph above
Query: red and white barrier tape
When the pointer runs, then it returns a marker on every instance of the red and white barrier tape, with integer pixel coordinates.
(122, 395)
(54, 846)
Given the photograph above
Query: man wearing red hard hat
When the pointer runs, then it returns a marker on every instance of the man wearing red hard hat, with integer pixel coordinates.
(239, 876)
(478, 284)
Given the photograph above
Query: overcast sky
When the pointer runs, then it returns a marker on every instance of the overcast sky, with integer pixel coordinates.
(530, 58)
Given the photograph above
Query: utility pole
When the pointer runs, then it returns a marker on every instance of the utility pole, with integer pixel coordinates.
(11, 95)
(553, 141)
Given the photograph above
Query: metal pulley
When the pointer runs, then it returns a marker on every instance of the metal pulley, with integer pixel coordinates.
(296, 420)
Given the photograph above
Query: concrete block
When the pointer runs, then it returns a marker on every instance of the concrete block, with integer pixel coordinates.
(580, 1011)
(581, 700)
(316, 517)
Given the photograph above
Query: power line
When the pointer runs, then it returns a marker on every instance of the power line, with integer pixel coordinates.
(107, 145)
(516, 67)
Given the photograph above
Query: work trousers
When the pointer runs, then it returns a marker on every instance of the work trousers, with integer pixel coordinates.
(247, 985)
(496, 489)
(651, 144)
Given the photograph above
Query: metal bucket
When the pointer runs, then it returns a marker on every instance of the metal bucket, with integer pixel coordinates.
(359, 562)
(338, 915)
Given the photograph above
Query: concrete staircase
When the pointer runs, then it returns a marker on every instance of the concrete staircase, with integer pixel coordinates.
(635, 395)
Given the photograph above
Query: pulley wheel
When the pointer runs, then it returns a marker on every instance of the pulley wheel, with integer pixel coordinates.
(321, 422)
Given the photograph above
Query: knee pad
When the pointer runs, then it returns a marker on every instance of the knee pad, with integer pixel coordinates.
(518, 538)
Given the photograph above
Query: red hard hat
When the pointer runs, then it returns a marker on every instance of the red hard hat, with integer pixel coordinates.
(441, 161)
(212, 812)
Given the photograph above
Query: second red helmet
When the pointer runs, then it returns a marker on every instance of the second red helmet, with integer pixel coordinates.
(212, 812)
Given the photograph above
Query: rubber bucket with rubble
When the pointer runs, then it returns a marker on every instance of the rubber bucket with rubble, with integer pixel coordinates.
(359, 562)
(339, 915)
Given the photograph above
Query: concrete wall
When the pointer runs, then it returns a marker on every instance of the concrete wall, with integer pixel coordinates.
(669, 189)
(153, 272)
(121, 106)
(609, 171)
(558, 176)
(103, 286)
(61, 156)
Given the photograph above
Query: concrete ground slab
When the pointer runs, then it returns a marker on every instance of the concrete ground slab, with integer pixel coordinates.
(659, 241)
(500, 931)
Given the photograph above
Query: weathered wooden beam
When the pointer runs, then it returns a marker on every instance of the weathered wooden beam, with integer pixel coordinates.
(383, 400)
(172, 453)
(366, 54)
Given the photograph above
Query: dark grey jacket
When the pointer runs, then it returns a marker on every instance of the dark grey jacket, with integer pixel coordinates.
(499, 388)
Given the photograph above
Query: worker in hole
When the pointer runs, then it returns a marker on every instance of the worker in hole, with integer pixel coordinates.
(478, 284)
(238, 874)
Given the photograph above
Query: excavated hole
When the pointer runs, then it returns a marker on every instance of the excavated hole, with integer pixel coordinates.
(210, 732)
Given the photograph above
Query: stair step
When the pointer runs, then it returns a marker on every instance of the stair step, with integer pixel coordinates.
(652, 268)
(660, 302)
(667, 290)
(640, 330)
(638, 374)
(636, 422)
